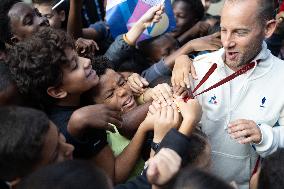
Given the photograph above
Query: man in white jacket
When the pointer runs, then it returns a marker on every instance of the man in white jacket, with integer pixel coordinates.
(239, 116)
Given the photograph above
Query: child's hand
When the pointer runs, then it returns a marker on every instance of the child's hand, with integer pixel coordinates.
(148, 123)
(153, 15)
(180, 91)
(191, 112)
(162, 94)
(165, 119)
(200, 29)
(137, 83)
(98, 116)
(154, 107)
(182, 69)
(86, 46)
(163, 166)
(209, 42)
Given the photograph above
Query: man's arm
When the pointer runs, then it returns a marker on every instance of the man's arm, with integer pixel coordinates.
(272, 137)
(266, 138)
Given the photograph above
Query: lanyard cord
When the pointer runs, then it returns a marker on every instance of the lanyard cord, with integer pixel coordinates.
(241, 71)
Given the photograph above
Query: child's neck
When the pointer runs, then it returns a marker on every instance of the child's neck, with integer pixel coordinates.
(70, 100)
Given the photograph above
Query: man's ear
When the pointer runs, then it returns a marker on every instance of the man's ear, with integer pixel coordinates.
(56, 92)
(62, 15)
(270, 28)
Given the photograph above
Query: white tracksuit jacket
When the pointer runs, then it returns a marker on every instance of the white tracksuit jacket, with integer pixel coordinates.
(261, 99)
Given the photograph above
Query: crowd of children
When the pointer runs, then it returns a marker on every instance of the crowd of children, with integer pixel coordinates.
(80, 109)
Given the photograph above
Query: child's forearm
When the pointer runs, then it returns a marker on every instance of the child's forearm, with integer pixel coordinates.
(132, 120)
(134, 33)
(125, 162)
(184, 50)
(74, 25)
(187, 127)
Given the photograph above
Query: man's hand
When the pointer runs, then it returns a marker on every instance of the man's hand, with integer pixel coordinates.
(163, 166)
(182, 69)
(165, 119)
(99, 116)
(245, 131)
(137, 83)
(209, 42)
(86, 46)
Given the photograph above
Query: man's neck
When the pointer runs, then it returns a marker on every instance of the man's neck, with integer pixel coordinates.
(235, 68)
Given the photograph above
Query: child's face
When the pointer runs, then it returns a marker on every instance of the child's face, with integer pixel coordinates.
(25, 20)
(9, 96)
(78, 75)
(55, 19)
(164, 47)
(184, 18)
(114, 91)
(55, 149)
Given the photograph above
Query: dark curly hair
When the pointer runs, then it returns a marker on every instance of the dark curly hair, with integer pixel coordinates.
(36, 63)
(22, 135)
(5, 29)
(100, 64)
(272, 170)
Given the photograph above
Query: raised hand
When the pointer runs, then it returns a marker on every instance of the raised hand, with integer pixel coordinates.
(183, 68)
(98, 116)
(137, 83)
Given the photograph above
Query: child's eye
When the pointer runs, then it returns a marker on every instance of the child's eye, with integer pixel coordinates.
(109, 95)
(38, 13)
(122, 83)
(75, 66)
(75, 63)
(28, 21)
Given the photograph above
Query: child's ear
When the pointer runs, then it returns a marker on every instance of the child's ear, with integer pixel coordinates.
(14, 40)
(62, 16)
(56, 92)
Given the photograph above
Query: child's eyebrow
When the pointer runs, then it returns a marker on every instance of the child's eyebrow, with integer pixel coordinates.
(26, 16)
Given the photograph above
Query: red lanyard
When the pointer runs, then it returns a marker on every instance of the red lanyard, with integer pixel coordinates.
(241, 71)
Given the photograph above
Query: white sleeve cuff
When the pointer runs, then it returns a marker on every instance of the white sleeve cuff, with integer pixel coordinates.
(265, 144)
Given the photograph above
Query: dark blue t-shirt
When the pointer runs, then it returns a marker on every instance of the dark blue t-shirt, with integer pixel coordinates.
(91, 143)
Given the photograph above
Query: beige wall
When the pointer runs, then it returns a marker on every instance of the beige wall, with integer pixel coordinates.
(215, 8)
